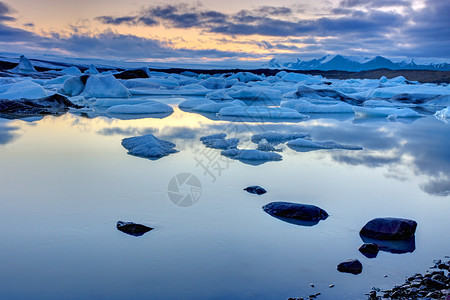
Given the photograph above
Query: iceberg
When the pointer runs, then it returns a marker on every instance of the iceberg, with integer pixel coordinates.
(255, 93)
(24, 66)
(304, 106)
(149, 107)
(92, 70)
(278, 137)
(251, 156)
(26, 89)
(261, 112)
(148, 146)
(443, 114)
(245, 77)
(386, 112)
(219, 95)
(104, 86)
(214, 83)
(216, 107)
(71, 71)
(191, 103)
(74, 86)
(219, 141)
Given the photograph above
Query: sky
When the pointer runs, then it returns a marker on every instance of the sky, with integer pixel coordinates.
(231, 30)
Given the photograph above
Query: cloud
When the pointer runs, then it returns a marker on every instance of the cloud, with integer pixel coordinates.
(6, 10)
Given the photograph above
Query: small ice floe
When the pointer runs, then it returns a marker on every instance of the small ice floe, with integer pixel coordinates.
(215, 83)
(380, 103)
(251, 156)
(219, 95)
(303, 106)
(132, 228)
(245, 77)
(300, 143)
(71, 71)
(92, 70)
(261, 112)
(443, 114)
(278, 137)
(255, 93)
(386, 112)
(217, 107)
(219, 141)
(191, 103)
(24, 66)
(26, 89)
(264, 145)
(74, 86)
(306, 91)
(148, 107)
(148, 146)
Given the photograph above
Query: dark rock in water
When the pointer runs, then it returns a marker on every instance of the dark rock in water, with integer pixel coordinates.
(296, 211)
(389, 229)
(255, 189)
(54, 105)
(369, 250)
(393, 246)
(132, 74)
(352, 266)
(132, 228)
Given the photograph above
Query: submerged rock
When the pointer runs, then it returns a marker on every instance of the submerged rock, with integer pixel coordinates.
(55, 105)
(369, 250)
(352, 266)
(389, 229)
(255, 189)
(304, 212)
(132, 228)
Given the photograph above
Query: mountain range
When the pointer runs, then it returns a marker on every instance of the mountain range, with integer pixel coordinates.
(342, 63)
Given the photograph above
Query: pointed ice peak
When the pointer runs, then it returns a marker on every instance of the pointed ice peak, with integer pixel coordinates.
(92, 70)
(24, 66)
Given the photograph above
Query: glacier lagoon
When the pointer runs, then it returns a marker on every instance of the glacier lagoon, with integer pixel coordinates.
(67, 180)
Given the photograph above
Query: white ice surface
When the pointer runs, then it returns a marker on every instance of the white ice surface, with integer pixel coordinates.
(443, 114)
(255, 93)
(251, 155)
(216, 107)
(24, 66)
(149, 107)
(105, 86)
(278, 137)
(303, 106)
(303, 143)
(26, 89)
(263, 112)
(386, 112)
(71, 71)
(190, 103)
(219, 95)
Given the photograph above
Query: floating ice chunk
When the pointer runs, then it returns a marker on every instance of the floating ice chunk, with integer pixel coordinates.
(264, 145)
(218, 141)
(104, 86)
(303, 143)
(74, 86)
(255, 93)
(216, 107)
(386, 112)
(190, 103)
(251, 156)
(219, 95)
(389, 92)
(150, 83)
(281, 74)
(26, 89)
(304, 106)
(194, 86)
(294, 77)
(57, 80)
(278, 137)
(245, 77)
(148, 146)
(262, 112)
(218, 83)
(443, 114)
(24, 66)
(108, 102)
(92, 70)
(149, 107)
(71, 71)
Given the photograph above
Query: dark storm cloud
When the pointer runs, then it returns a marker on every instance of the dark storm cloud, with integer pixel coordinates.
(5, 11)
(375, 3)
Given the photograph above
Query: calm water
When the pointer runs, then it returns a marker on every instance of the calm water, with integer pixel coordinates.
(67, 180)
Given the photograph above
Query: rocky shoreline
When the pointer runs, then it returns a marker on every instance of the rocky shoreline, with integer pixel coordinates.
(433, 284)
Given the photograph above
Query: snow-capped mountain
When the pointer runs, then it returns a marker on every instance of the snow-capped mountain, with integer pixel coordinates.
(352, 64)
